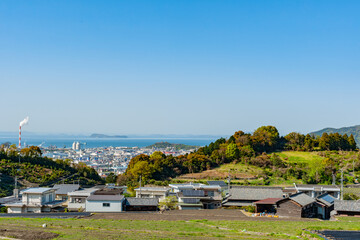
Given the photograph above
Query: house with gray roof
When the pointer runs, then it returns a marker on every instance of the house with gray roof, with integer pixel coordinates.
(297, 206)
(197, 195)
(152, 192)
(62, 190)
(347, 207)
(141, 204)
(35, 200)
(240, 196)
(325, 204)
(104, 203)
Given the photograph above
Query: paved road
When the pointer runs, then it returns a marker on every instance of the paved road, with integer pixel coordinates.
(339, 235)
(47, 215)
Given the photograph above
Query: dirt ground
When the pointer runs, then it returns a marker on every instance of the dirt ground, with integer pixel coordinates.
(185, 215)
(26, 234)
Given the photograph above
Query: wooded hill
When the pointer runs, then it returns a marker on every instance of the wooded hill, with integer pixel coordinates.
(355, 131)
(34, 170)
(259, 150)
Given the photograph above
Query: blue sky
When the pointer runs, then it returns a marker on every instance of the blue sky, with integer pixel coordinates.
(179, 67)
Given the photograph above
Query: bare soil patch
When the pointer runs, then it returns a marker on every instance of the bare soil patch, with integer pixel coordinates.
(27, 234)
(185, 215)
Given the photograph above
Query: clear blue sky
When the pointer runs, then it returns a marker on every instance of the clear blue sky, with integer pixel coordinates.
(183, 67)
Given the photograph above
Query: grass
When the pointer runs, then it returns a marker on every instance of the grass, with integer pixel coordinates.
(300, 157)
(194, 229)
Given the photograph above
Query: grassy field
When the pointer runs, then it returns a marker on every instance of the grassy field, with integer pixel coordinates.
(193, 229)
(300, 157)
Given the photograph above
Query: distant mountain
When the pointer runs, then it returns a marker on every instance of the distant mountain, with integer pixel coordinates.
(97, 135)
(355, 130)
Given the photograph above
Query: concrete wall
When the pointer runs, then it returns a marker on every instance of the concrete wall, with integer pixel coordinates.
(97, 206)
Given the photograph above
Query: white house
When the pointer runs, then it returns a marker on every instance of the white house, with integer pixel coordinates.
(35, 200)
(77, 199)
(197, 195)
(104, 203)
(152, 192)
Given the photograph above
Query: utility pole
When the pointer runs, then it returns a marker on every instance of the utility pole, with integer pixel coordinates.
(342, 185)
(229, 180)
(140, 187)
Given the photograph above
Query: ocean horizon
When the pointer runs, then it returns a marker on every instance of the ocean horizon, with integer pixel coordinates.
(66, 142)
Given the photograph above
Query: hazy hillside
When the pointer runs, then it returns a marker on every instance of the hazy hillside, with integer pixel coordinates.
(355, 130)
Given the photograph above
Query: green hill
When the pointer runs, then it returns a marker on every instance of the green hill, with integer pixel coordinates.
(33, 170)
(354, 130)
(176, 146)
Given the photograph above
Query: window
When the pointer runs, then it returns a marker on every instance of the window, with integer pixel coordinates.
(106, 204)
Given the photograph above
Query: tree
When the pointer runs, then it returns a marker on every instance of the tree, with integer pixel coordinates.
(294, 141)
(169, 202)
(111, 178)
(232, 152)
(352, 143)
(265, 139)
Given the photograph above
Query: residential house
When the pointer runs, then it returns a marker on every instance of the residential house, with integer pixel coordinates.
(347, 207)
(224, 186)
(77, 199)
(35, 200)
(152, 192)
(104, 203)
(315, 190)
(268, 205)
(62, 190)
(240, 196)
(141, 204)
(325, 204)
(297, 206)
(197, 196)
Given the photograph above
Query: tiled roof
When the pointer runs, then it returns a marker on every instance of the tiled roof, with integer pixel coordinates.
(254, 193)
(65, 188)
(132, 201)
(347, 205)
(302, 199)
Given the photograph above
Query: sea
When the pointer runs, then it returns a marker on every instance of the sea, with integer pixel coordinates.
(86, 142)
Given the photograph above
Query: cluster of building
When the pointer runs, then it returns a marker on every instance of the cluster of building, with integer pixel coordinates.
(309, 201)
(105, 160)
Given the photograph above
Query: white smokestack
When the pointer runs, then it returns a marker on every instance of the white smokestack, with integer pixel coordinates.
(24, 122)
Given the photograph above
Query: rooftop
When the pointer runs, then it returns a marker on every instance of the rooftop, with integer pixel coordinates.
(132, 201)
(105, 198)
(36, 190)
(302, 199)
(268, 201)
(347, 205)
(65, 188)
(154, 189)
(254, 193)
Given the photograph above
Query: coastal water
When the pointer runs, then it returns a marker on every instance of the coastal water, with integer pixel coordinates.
(104, 142)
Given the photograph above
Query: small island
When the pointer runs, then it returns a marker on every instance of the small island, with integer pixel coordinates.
(97, 135)
(176, 146)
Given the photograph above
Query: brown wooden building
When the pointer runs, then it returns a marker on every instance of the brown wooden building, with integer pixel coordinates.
(298, 205)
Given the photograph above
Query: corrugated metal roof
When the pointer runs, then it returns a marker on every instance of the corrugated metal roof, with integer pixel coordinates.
(105, 198)
(268, 201)
(36, 190)
(220, 183)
